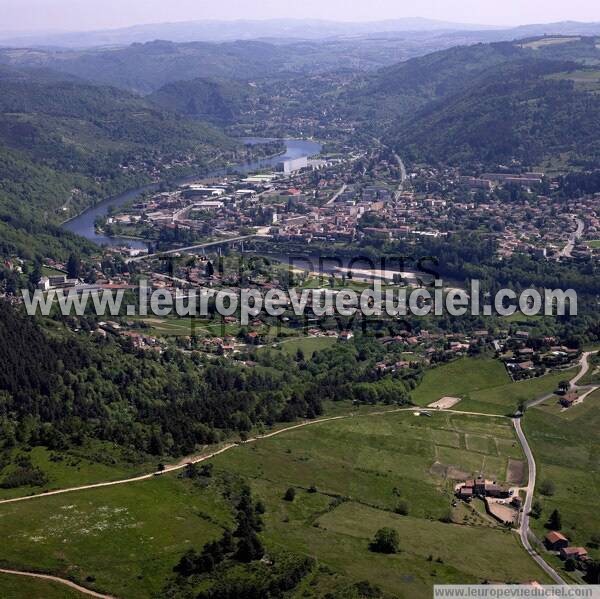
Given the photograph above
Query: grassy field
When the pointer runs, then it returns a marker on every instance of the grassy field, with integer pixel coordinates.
(93, 463)
(309, 345)
(127, 537)
(549, 41)
(594, 243)
(483, 385)
(459, 378)
(567, 450)
(349, 474)
(20, 587)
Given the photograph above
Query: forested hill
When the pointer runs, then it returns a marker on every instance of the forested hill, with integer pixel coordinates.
(144, 68)
(532, 100)
(59, 388)
(65, 144)
(540, 114)
(219, 102)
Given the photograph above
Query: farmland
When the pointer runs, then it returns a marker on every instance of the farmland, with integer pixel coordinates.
(483, 385)
(350, 476)
(565, 444)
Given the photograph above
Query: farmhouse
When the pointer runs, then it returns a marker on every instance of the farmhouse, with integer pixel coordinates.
(555, 541)
(578, 553)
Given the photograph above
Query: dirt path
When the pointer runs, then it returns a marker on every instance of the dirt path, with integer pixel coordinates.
(202, 458)
(198, 459)
(58, 580)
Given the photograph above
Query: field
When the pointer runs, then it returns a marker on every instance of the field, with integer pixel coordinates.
(127, 537)
(350, 475)
(459, 378)
(95, 462)
(549, 41)
(483, 385)
(567, 450)
(594, 243)
(20, 587)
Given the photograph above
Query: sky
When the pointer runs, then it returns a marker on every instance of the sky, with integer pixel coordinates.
(83, 15)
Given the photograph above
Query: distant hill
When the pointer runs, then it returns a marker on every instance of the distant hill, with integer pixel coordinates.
(65, 145)
(220, 31)
(219, 102)
(144, 68)
(531, 100)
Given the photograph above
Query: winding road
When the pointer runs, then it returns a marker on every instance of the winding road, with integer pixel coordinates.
(524, 529)
(63, 581)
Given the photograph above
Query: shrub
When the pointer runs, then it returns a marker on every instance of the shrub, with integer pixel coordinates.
(386, 540)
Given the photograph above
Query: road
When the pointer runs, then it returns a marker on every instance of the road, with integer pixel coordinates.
(584, 368)
(567, 251)
(192, 248)
(402, 176)
(337, 195)
(62, 581)
(524, 526)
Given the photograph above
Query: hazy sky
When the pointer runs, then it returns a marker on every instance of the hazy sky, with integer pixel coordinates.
(78, 15)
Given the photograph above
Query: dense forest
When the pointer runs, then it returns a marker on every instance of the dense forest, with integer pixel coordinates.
(71, 387)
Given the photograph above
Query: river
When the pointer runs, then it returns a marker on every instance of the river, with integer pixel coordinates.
(84, 223)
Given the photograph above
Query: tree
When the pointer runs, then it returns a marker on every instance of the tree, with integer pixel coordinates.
(73, 267)
(536, 509)
(592, 572)
(290, 494)
(547, 487)
(555, 521)
(249, 548)
(402, 508)
(209, 270)
(386, 540)
(570, 565)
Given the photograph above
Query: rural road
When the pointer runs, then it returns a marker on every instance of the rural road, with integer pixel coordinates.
(577, 234)
(584, 368)
(524, 527)
(62, 581)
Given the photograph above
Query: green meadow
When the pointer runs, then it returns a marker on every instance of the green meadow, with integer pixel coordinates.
(483, 385)
(566, 447)
(20, 587)
(350, 476)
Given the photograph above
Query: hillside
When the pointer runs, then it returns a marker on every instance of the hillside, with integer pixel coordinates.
(65, 144)
(528, 111)
(219, 102)
(400, 89)
(533, 100)
(144, 68)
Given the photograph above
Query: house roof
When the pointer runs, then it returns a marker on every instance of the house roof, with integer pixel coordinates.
(574, 551)
(553, 537)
